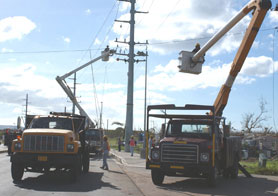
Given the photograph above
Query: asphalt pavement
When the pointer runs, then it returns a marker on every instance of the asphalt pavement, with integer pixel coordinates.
(3, 148)
(126, 159)
(134, 167)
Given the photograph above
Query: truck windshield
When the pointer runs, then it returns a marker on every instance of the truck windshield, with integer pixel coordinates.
(51, 123)
(179, 128)
(93, 134)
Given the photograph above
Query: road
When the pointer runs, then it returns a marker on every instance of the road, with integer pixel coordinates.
(128, 180)
(97, 182)
(174, 186)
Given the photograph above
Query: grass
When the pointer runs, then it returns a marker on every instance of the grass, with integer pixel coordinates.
(253, 167)
(114, 145)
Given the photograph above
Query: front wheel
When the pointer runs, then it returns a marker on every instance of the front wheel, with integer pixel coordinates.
(157, 176)
(17, 171)
(212, 176)
(86, 161)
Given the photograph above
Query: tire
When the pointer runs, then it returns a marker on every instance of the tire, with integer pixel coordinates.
(17, 171)
(234, 169)
(157, 176)
(212, 177)
(74, 173)
(10, 149)
(226, 173)
(86, 162)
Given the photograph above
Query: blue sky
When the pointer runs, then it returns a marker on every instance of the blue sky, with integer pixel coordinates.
(42, 39)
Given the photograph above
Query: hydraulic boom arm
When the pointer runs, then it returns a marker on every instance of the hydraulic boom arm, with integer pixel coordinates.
(61, 80)
(191, 62)
(260, 9)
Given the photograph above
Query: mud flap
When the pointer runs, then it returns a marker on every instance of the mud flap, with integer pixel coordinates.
(244, 171)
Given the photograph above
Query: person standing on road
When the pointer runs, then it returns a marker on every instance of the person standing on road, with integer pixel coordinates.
(106, 149)
(132, 144)
(151, 142)
(119, 144)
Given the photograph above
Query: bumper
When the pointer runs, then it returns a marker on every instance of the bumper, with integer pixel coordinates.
(186, 170)
(95, 149)
(45, 160)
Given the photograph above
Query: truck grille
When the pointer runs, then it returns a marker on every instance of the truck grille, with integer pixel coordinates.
(43, 143)
(179, 153)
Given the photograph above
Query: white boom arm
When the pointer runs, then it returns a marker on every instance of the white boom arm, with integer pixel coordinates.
(191, 62)
(61, 81)
(243, 12)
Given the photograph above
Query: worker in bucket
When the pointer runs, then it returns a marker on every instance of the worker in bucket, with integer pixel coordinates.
(197, 48)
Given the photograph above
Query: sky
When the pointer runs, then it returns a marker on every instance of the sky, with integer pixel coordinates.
(40, 40)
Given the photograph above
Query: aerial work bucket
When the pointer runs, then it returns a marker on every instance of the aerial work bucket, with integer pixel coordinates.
(186, 64)
(105, 54)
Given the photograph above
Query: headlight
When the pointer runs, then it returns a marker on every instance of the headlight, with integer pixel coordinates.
(204, 157)
(70, 147)
(155, 154)
(17, 146)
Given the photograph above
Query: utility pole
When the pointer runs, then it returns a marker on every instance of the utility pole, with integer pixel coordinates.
(26, 109)
(74, 93)
(145, 98)
(100, 117)
(131, 43)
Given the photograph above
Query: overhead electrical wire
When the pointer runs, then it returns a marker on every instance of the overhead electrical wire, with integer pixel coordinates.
(109, 30)
(100, 49)
(159, 26)
(51, 51)
(273, 79)
(105, 20)
(94, 90)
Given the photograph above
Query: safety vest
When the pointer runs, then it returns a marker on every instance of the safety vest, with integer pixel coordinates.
(132, 142)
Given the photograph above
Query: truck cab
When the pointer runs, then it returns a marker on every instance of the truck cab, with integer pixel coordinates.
(193, 145)
(94, 137)
(51, 143)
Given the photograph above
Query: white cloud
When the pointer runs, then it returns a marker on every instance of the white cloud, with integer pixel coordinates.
(273, 17)
(192, 20)
(23, 78)
(124, 6)
(15, 27)
(260, 66)
(270, 36)
(97, 42)
(66, 39)
(6, 50)
(167, 78)
(88, 12)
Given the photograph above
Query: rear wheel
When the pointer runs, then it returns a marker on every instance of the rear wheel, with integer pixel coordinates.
(212, 176)
(86, 161)
(226, 173)
(157, 176)
(17, 171)
(74, 171)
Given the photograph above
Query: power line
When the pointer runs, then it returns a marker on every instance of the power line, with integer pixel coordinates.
(200, 38)
(105, 20)
(100, 49)
(109, 30)
(273, 80)
(168, 15)
(50, 51)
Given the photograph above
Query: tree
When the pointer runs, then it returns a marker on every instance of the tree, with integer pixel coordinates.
(251, 121)
(118, 123)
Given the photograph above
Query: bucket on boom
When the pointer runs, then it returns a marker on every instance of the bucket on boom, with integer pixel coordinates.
(187, 65)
